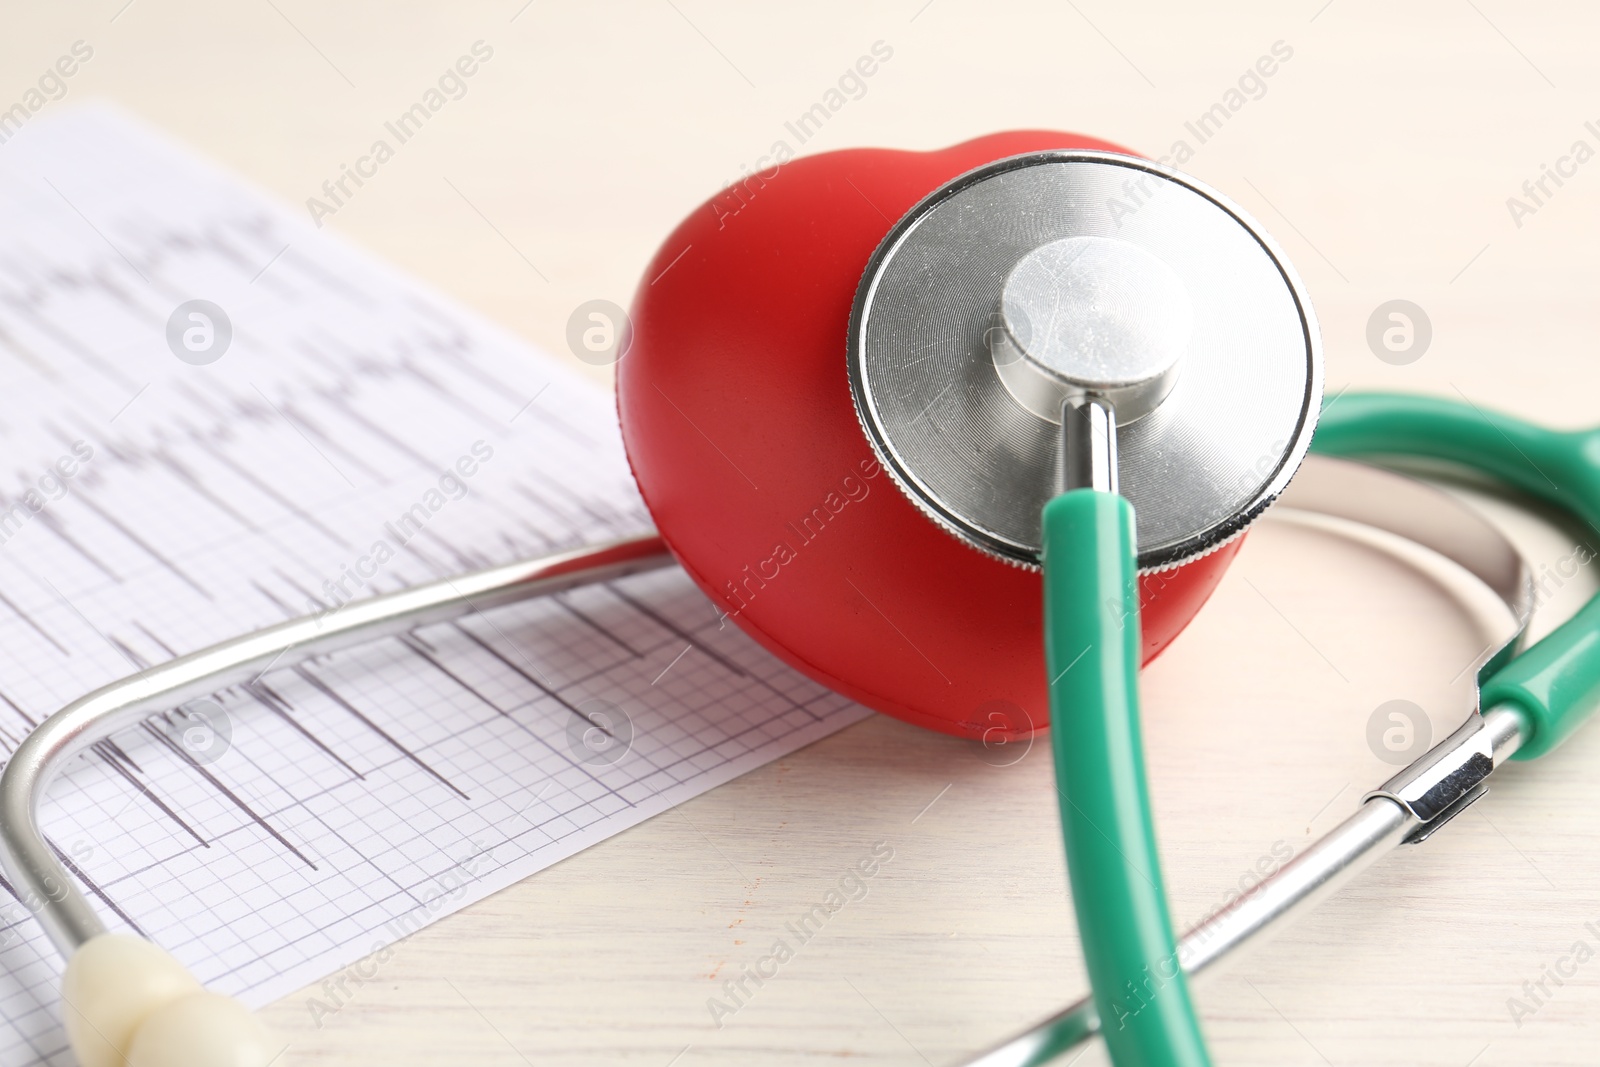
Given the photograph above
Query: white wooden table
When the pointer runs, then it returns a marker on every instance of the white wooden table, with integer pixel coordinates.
(1381, 153)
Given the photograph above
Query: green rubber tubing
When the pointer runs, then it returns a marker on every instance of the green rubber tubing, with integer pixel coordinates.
(1092, 653)
(1555, 684)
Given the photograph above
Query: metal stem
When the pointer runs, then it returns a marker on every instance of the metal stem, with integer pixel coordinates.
(1088, 444)
(39, 880)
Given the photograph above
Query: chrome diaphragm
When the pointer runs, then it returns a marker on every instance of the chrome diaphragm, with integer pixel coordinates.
(1035, 281)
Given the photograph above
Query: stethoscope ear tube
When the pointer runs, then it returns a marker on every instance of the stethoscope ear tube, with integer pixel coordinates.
(1554, 685)
(1531, 701)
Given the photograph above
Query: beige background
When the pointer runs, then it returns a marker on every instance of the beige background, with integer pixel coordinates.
(1381, 157)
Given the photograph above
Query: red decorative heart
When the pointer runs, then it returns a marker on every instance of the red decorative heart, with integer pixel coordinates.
(736, 413)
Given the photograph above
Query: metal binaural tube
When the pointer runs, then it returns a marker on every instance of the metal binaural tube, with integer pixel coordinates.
(38, 878)
(1380, 824)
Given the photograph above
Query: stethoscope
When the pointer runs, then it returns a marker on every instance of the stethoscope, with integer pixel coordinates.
(1113, 404)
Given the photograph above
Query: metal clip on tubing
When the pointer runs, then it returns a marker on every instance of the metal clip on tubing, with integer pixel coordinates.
(1534, 700)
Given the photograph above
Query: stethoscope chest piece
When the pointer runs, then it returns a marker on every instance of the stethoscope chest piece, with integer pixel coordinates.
(1036, 279)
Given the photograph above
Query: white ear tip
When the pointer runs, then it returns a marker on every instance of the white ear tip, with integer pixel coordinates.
(126, 1001)
(201, 1030)
(113, 982)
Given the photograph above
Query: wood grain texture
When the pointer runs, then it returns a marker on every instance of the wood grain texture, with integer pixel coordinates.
(1381, 154)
